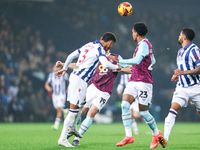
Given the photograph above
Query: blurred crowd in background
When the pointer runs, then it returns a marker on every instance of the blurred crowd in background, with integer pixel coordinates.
(34, 35)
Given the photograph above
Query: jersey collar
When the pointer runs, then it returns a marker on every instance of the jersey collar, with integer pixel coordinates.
(187, 45)
(142, 40)
(97, 41)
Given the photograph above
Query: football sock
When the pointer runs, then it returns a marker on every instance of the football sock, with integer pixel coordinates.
(134, 126)
(126, 117)
(69, 121)
(77, 117)
(169, 123)
(85, 125)
(79, 120)
(150, 121)
(57, 122)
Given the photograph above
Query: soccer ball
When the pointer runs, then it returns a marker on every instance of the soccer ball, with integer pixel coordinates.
(125, 9)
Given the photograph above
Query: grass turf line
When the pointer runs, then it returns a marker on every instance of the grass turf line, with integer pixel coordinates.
(40, 136)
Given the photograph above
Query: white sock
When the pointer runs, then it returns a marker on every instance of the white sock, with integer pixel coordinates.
(155, 131)
(134, 126)
(77, 117)
(57, 122)
(69, 121)
(128, 132)
(169, 123)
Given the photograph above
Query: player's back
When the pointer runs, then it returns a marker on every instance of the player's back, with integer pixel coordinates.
(142, 71)
(103, 78)
(88, 60)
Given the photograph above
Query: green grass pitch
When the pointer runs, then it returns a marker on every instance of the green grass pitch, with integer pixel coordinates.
(40, 136)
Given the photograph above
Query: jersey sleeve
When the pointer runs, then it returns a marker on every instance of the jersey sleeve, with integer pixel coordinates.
(143, 51)
(122, 64)
(49, 78)
(196, 56)
(69, 59)
(101, 52)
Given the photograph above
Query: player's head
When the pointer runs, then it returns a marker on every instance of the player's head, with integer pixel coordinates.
(108, 40)
(139, 29)
(186, 34)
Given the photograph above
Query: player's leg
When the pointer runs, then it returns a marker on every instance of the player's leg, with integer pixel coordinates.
(126, 119)
(170, 119)
(150, 121)
(55, 100)
(134, 115)
(99, 100)
(87, 122)
(145, 91)
(76, 97)
(128, 98)
(58, 118)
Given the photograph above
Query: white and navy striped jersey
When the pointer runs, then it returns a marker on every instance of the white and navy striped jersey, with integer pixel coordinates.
(88, 60)
(58, 84)
(124, 78)
(188, 58)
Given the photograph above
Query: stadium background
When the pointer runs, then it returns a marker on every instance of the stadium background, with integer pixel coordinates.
(34, 34)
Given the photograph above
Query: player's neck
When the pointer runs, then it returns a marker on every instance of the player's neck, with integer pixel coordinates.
(185, 43)
(140, 38)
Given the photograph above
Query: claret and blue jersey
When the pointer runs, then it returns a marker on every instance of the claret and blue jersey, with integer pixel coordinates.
(188, 58)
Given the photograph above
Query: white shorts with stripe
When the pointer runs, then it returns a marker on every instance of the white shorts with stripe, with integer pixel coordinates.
(76, 90)
(142, 92)
(58, 101)
(183, 94)
(96, 97)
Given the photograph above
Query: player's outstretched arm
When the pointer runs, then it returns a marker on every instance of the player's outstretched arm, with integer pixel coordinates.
(47, 87)
(61, 72)
(127, 70)
(194, 71)
(106, 64)
(59, 66)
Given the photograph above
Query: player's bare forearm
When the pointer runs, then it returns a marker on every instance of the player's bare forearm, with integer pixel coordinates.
(61, 72)
(194, 71)
(59, 65)
(47, 87)
(127, 70)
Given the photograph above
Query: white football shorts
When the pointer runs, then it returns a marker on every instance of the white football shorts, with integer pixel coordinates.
(183, 94)
(76, 90)
(135, 106)
(96, 97)
(58, 101)
(140, 91)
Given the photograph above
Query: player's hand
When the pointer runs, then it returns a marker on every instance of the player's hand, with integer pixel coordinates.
(59, 64)
(174, 78)
(119, 68)
(113, 58)
(178, 72)
(61, 72)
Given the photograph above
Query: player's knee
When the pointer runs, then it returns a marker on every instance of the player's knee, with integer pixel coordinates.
(143, 113)
(125, 107)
